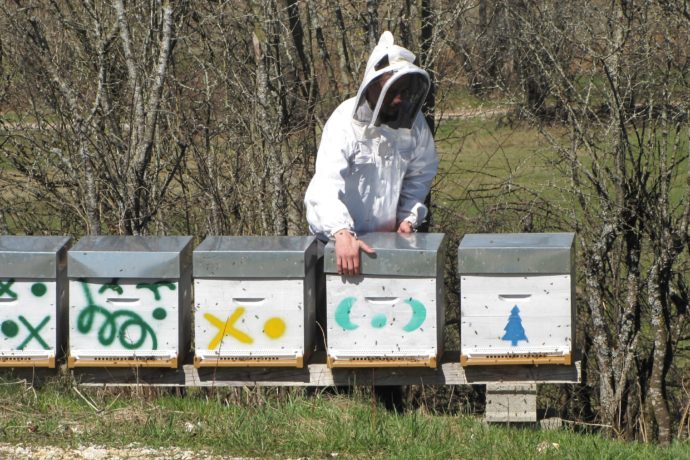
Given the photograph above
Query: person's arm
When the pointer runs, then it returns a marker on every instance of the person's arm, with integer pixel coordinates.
(326, 213)
(420, 173)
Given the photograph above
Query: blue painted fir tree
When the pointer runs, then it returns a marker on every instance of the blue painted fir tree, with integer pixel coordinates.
(514, 330)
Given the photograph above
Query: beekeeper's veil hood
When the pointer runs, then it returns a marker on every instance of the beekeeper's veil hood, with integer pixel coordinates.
(406, 83)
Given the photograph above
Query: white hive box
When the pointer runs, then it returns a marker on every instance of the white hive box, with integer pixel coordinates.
(517, 298)
(33, 300)
(392, 315)
(130, 301)
(254, 301)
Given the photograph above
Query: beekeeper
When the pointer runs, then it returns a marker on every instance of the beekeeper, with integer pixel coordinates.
(376, 159)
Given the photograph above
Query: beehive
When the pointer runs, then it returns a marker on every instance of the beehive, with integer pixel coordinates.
(393, 313)
(130, 301)
(254, 301)
(517, 298)
(33, 300)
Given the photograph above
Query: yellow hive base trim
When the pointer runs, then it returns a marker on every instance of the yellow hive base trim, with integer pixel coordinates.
(27, 361)
(248, 361)
(515, 359)
(381, 361)
(121, 361)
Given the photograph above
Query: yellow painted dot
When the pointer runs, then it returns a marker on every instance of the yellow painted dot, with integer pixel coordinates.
(274, 328)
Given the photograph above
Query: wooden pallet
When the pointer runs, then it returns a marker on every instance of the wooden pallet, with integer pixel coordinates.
(316, 373)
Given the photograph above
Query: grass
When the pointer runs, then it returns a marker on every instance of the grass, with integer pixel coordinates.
(280, 423)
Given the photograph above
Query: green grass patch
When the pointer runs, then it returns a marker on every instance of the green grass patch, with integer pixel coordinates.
(459, 97)
(270, 423)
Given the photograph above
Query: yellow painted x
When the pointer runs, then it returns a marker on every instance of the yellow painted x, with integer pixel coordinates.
(226, 328)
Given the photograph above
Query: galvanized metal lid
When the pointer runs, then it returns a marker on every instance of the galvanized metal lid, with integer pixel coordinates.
(33, 256)
(130, 257)
(414, 254)
(254, 256)
(516, 253)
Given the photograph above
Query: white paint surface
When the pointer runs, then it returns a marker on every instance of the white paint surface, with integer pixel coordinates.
(259, 306)
(26, 315)
(373, 300)
(544, 308)
(116, 318)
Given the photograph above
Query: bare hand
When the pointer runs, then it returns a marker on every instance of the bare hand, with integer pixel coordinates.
(405, 227)
(347, 248)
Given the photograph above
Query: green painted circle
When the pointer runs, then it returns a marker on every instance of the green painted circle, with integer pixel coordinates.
(159, 313)
(9, 328)
(379, 321)
(39, 289)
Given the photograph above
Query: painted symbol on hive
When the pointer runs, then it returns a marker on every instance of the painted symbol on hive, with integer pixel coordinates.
(344, 310)
(113, 286)
(514, 330)
(342, 314)
(11, 330)
(274, 328)
(155, 287)
(39, 289)
(128, 327)
(5, 288)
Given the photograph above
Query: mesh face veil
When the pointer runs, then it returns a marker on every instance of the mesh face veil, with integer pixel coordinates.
(394, 88)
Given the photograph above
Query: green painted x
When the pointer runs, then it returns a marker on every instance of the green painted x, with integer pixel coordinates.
(5, 288)
(33, 333)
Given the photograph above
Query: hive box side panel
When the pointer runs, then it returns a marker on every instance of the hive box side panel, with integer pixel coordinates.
(516, 314)
(250, 317)
(311, 288)
(186, 312)
(381, 316)
(29, 320)
(132, 317)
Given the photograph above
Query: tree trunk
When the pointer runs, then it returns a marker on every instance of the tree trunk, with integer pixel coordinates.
(372, 23)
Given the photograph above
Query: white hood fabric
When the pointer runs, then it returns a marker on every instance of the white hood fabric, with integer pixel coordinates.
(372, 174)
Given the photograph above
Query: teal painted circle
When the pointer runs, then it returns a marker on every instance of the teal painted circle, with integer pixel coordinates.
(379, 321)
(159, 313)
(9, 328)
(39, 289)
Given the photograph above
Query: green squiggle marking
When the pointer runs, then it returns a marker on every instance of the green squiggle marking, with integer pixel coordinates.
(342, 314)
(113, 285)
(155, 287)
(109, 330)
(418, 315)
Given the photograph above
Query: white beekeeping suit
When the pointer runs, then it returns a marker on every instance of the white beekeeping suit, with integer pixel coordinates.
(375, 165)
